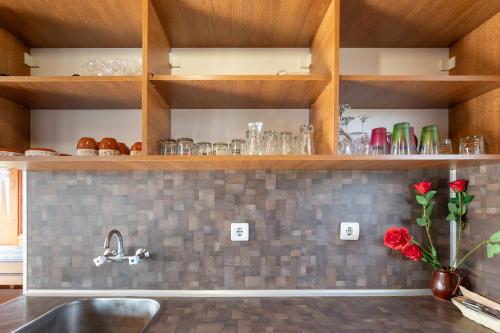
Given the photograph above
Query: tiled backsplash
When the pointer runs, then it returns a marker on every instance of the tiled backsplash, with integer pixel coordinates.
(482, 274)
(184, 219)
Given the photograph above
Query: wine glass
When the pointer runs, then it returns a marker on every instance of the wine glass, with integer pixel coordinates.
(345, 139)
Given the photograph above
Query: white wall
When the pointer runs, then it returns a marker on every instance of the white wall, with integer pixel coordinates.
(60, 129)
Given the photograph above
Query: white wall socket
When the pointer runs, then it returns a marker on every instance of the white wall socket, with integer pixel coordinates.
(240, 232)
(349, 231)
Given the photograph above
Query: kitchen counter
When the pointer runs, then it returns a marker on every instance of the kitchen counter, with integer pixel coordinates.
(256, 315)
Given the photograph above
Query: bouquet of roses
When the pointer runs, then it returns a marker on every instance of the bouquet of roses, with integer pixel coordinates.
(398, 238)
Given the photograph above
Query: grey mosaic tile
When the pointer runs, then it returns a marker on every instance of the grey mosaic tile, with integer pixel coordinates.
(183, 218)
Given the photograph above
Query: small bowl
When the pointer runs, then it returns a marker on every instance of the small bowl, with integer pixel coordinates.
(136, 149)
(109, 147)
(87, 147)
(124, 149)
(40, 152)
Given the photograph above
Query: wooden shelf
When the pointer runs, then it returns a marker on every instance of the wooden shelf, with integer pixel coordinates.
(153, 162)
(413, 92)
(240, 91)
(410, 23)
(63, 23)
(241, 23)
(73, 92)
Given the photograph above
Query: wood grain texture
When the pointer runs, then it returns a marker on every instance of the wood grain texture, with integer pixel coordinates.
(240, 91)
(241, 23)
(14, 126)
(323, 114)
(478, 53)
(410, 23)
(12, 53)
(413, 92)
(312, 162)
(156, 117)
(62, 23)
(73, 92)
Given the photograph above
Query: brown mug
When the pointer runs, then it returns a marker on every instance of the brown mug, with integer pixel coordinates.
(445, 283)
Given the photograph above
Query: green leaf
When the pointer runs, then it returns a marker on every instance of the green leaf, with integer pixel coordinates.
(468, 199)
(454, 201)
(495, 238)
(492, 249)
(450, 217)
(452, 208)
(429, 195)
(421, 199)
(421, 221)
(428, 209)
(463, 211)
(433, 251)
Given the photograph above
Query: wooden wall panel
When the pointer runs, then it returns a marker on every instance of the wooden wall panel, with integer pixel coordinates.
(155, 60)
(478, 53)
(12, 55)
(325, 61)
(14, 126)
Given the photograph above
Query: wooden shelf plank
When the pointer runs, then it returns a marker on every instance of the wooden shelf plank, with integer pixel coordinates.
(413, 92)
(240, 91)
(73, 92)
(241, 23)
(153, 162)
(63, 23)
(410, 23)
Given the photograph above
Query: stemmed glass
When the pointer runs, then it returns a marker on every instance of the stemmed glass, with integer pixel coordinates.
(345, 141)
(362, 142)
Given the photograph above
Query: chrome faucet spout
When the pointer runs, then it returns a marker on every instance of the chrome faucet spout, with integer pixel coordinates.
(119, 237)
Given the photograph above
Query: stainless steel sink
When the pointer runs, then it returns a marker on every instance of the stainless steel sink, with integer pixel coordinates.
(124, 315)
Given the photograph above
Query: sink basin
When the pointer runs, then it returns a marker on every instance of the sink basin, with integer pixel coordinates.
(124, 315)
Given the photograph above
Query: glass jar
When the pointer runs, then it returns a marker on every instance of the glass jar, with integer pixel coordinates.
(220, 148)
(203, 148)
(306, 140)
(185, 147)
(254, 140)
(168, 147)
(286, 143)
(270, 143)
(237, 147)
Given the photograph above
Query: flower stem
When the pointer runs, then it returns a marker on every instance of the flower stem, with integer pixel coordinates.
(459, 223)
(474, 249)
(427, 227)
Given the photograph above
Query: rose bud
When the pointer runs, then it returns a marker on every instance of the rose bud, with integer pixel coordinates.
(422, 188)
(412, 252)
(458, 185)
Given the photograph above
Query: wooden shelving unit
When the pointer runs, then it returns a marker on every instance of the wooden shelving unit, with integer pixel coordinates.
(73, 92)
(469, 27)
(318, 162)
(413, 92)
(241, 91)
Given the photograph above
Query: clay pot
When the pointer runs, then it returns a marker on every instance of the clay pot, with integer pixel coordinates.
(136, 149)
(124, 149)
(109, 147)
(445, 283)
(87, 147)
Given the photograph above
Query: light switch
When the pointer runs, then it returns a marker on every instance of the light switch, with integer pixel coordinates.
(240, 232)
(349, 231)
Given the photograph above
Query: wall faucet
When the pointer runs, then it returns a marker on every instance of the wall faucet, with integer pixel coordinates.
(119, 254)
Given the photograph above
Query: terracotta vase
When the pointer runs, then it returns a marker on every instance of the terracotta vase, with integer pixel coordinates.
(445, 283)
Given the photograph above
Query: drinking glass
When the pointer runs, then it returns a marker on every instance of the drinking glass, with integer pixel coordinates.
(237, 147)
(361, 143)
(472, 145)
(378, 142)
(429, 140)
(345, 140)
(401, 142)
(296, 144)
(94, 67)
(414, 141)
(185, 146)
(253, 144)
(220, 148)
(445, 147)
(286, 143)
(203, 148)
(270, 144)
(168, 147)
(306, 139)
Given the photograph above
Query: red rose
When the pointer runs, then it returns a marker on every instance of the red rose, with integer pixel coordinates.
(458, 185)
(422, 188)
(412, 252)
(396, 238)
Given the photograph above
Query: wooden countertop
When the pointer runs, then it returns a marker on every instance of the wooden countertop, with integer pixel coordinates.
(255, 315)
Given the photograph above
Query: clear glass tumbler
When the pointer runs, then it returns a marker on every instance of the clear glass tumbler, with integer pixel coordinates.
(185, 146)
(306, 139)
(220, 148)
(445, 147)
(270, 143)
(254, 139)
(472, 145)
(237, 147)
(401, 141)
(203, 148)
(429, 140)
(168, 147)
(286, 143)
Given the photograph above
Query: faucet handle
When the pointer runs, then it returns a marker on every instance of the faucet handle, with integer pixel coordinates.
(142, 253)
(101, 260)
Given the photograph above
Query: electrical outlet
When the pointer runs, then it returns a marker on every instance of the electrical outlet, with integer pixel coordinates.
(349, 231)
(240, 232)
